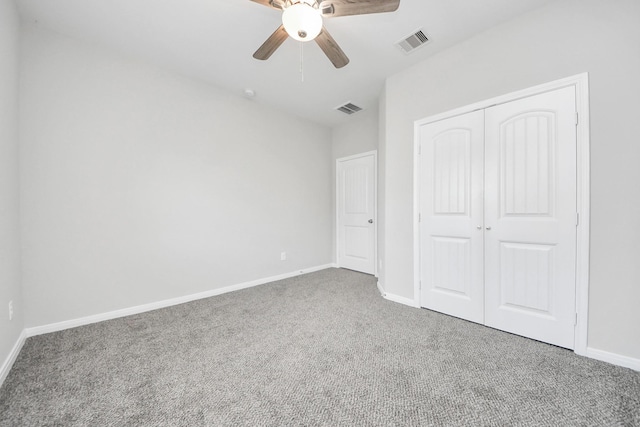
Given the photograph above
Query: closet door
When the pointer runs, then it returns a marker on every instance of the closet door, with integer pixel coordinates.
(451, 208)
(530, 217)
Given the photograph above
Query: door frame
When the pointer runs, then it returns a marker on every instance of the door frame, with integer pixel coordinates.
(373, 153)
(581, 84)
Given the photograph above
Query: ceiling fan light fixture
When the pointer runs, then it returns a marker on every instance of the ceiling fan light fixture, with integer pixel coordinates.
(302, 21)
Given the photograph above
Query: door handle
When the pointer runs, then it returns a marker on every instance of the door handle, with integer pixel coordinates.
(370, 221)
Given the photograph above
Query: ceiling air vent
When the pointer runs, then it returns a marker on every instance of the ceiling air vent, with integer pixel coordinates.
(349, 108)
(414, 41)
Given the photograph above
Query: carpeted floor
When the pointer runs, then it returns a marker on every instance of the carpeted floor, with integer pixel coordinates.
(319, 349)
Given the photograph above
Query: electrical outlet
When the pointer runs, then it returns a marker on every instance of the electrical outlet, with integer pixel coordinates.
(10, 310)
(283, 256)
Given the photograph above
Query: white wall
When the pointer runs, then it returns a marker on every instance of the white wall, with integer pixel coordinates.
(140, 185)
(564, 38)
(10, 289)
(382, 197)
(358, 135)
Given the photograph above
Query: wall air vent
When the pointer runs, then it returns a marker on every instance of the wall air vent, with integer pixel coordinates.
(414, 41)
(349, 108)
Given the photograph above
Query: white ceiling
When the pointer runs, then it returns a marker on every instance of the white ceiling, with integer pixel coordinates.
(213, 41)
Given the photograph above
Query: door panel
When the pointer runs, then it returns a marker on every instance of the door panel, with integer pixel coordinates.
(356, 241)
(525, 277)
(530, 217)
(451, 266)
(356, 213)
(451, 209)
(526, 159)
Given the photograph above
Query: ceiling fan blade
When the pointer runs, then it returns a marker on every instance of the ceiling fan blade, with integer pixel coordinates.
(332, 8)
(271, 44)
(331, 49)
(275, 4)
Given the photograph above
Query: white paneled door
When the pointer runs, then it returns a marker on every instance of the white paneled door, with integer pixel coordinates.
(498, 216)
(356, 195)
(451, 207)
(530, 217)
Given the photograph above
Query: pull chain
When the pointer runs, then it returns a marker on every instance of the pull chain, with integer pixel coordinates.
(301, 62)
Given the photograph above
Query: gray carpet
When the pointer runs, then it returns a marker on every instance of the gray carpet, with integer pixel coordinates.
(320, 349)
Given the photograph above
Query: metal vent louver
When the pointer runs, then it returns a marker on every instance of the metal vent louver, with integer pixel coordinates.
(414, 41)
(349, 108)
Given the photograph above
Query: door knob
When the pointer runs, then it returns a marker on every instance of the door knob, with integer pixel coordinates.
(488, 228)
(479, 227)
(370, 221)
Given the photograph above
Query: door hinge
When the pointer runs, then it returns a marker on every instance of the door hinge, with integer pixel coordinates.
(419, 149)
(419, 217)
(577, 118)
(577, 219)
(575, 321)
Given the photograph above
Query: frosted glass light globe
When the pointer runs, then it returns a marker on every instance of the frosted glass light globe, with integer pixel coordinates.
(302, 22)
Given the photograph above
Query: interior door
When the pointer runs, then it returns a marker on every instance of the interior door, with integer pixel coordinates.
(530, 217)
(451, 232)
(356, 204)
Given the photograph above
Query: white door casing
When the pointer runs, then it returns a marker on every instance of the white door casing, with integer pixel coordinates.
(530, 217)
(356, 212)
(451, 206)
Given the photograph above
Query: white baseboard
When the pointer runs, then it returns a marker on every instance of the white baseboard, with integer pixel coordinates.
(73, 323)
(11, 358)
(613, 358)
(402, 300)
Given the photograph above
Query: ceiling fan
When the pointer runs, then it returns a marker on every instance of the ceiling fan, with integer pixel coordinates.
(302, 21)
